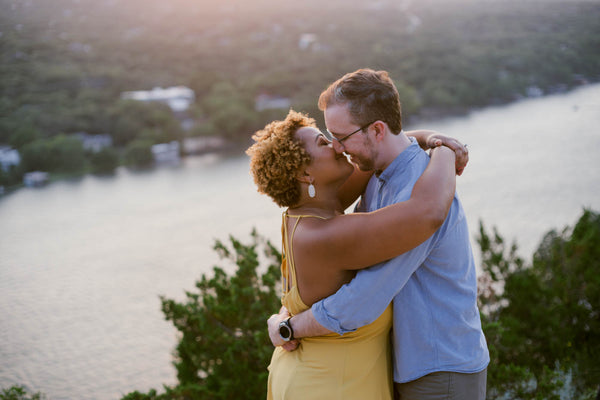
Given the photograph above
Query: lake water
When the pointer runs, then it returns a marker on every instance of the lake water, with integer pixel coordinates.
(82, 262)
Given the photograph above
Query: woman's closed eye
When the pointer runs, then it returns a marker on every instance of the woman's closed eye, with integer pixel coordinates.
(323, 141)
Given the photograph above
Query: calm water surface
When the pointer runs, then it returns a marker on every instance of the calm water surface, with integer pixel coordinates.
(82, 262)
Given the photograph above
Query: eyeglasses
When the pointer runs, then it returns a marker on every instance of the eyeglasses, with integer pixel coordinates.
(331, 136)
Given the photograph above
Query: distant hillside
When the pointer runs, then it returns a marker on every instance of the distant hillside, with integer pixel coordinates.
(64, 62)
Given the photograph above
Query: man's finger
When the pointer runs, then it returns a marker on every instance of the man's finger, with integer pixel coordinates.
(291, 345)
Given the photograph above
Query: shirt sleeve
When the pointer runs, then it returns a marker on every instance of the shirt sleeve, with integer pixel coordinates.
(365, 298)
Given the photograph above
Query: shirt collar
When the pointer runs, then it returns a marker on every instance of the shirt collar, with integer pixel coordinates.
(400, 163)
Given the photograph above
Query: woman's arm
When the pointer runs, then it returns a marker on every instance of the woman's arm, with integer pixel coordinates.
(423, 138)
(354, 187)
(358, 240)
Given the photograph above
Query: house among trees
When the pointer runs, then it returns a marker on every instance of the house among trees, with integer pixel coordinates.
(203, 144)
(307, 41)
(35, 178)
(178, 98)
(266, 101)
(94, 143)
(9, 157)
(166, 153)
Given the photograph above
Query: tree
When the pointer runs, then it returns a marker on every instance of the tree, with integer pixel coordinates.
(224, 348)
(37, 156)
(139, 153)
(23, 134)
(131, 118)
(60, 153)
(18, 392)
(67, 153)
(105, 161)
(408, 97)
(126, 121)
(13, 176)
(231, 113)
(542, 320)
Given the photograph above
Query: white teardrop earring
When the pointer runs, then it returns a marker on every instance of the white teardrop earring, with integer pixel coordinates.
(311, 190)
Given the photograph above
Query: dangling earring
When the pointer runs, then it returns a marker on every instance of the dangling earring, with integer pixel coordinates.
(311, 190)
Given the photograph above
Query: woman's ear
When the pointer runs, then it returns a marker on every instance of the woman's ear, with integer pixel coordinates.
(304, 177)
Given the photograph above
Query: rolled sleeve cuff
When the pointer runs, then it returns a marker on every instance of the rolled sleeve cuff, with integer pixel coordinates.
(322, 317)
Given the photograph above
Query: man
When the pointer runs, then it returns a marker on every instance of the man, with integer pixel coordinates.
(439, 347)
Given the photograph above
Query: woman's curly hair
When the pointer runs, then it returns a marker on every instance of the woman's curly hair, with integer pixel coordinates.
(276, 156)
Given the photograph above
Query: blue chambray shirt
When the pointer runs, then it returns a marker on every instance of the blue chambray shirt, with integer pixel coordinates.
(433, 287)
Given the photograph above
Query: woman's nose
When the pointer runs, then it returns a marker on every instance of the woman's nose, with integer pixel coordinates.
(337, 146)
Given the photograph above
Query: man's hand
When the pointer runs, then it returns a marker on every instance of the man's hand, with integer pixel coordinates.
(273, 324)
(461, 151)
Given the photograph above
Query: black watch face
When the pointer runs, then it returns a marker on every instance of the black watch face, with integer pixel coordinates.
(284, 331)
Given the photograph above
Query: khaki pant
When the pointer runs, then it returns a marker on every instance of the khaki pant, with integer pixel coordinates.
(444, 386)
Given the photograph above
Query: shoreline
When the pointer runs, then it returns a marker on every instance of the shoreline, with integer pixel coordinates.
(220, 146)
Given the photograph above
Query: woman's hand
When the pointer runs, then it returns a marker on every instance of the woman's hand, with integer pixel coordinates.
(460, 150)
(432, 139)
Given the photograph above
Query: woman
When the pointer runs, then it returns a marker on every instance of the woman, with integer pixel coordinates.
(298, 168)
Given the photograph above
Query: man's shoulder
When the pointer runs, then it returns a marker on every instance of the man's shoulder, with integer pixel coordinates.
(410, 170)
(416, 161)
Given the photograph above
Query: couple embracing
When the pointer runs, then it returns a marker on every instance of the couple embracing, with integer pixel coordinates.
(379, 303)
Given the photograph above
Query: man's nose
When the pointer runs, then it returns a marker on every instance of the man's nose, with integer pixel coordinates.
(337, 146)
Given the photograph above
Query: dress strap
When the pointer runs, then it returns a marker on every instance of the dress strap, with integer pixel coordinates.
(303, 215)
(288, 268)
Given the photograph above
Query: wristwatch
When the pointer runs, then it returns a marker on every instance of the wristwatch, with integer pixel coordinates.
(285, 330)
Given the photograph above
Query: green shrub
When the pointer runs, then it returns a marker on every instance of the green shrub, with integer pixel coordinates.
(18, 392)
(224, 348)
(105, 161)
(139, 153)
(542, 320)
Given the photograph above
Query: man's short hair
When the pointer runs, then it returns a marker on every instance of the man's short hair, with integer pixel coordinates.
(369, 95)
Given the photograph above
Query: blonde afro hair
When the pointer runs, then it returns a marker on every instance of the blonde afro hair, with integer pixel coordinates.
(277, 156)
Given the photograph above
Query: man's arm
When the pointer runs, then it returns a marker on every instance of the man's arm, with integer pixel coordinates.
(354, 304)
(365, 298)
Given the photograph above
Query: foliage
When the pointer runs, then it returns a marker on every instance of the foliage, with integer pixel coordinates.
(18, 392)
(229, 112)
(139, 153)
(23, 134)
(37, 155)
(65, 63)
(130, 119)
(60, 153)
(12, 177)
(224, 348)
(541, 320)
(104, 161)
(69, 153)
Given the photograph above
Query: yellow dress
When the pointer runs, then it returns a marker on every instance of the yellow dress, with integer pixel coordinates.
(356, 365)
